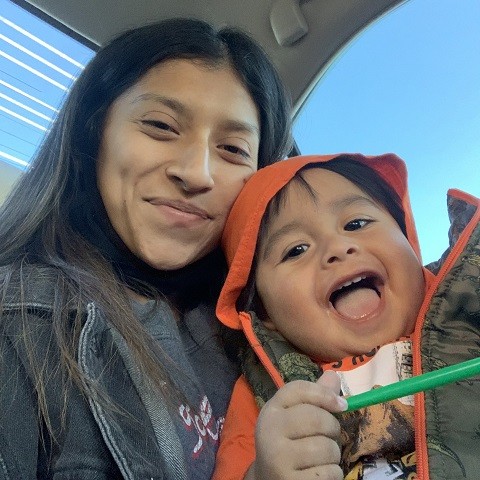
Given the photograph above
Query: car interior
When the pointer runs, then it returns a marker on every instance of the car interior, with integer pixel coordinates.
(307, 40)
(301, 37)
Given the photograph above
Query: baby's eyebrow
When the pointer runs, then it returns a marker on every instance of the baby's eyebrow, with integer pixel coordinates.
(272, 239)
(348, 200)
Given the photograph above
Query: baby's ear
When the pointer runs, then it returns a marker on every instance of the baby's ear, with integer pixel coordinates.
(269, 325)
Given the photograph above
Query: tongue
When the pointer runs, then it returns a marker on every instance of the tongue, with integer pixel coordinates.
(357, 303)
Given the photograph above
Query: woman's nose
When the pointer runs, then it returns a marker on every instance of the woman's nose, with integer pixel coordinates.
(191, 171)
(338, 249)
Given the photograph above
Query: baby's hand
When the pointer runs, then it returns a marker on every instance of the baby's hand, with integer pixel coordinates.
(296, 435)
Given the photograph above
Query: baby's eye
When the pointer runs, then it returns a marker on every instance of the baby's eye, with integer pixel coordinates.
(357, 224)
(295, 251)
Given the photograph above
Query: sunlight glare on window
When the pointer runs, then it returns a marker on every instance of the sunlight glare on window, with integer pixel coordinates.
(38, 65)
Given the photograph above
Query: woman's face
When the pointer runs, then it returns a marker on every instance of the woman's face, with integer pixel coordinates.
(176, 149)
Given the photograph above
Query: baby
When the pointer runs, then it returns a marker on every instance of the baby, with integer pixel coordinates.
(325, 274)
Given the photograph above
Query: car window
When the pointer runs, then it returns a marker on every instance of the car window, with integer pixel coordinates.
(38, 64)
(408, 84)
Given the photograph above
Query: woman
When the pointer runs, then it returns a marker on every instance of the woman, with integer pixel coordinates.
(112, 364)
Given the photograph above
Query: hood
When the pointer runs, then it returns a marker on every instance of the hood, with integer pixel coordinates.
(241, 230)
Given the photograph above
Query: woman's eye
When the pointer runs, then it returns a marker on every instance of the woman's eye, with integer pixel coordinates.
(158, 124)
(357, 224)
(236, 150)
(295, 251)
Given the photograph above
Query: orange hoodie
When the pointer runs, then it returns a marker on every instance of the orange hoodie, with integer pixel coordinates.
(237, 449)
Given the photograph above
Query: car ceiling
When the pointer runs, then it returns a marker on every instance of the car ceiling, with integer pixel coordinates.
(311, 31)
(301, 36)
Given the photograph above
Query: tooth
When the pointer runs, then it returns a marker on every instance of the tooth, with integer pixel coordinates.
(355, 280)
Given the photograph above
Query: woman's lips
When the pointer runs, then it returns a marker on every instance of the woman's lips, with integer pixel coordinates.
(180, 213)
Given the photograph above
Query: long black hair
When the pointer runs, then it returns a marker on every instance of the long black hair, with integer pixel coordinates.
(65, 163)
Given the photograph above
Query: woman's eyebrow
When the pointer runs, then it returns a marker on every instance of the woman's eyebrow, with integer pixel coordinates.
(231, 125)
(272, 239)
(241, 126)
(169, 102)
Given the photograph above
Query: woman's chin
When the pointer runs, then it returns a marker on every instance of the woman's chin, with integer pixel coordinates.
(171, 264)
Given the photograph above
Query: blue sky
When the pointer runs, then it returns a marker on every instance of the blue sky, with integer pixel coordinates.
(410, 84)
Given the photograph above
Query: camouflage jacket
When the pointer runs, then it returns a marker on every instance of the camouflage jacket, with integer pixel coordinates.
(447, 419)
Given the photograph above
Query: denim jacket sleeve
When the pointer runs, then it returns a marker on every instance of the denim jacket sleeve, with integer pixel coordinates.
(19, 435)
(26, 450)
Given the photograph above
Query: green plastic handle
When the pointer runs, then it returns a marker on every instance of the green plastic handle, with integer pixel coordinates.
(420, 383)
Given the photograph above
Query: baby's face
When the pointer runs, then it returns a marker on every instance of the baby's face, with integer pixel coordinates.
(335, 273)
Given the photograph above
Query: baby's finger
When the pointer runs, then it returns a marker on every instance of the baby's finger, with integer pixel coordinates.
(330, 380)
(308, 421)
(325, 472)
(315, 451)
(298, 392)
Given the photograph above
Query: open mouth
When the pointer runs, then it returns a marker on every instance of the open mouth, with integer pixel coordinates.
(357, 298)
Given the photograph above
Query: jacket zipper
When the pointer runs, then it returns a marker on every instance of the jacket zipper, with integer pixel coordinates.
(247, 327)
